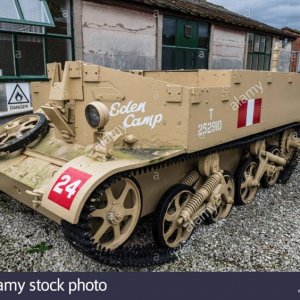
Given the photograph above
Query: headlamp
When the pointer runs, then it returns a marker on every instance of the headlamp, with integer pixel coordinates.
(97, 115)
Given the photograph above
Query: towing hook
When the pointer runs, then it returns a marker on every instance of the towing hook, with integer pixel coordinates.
(37, 197)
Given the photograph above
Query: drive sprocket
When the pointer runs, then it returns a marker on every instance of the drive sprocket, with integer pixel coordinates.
(102, 245)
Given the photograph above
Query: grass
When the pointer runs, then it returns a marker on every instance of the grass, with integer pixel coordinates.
(39, 248)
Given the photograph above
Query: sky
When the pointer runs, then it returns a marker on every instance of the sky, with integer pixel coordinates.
(277, 13)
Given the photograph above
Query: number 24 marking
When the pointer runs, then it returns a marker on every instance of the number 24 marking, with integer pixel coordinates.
(65, 185)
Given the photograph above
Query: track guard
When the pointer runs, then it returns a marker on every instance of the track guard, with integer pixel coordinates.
(73, 184)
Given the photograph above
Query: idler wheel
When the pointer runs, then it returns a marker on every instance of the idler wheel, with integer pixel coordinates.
(291, 155)
(285, 151)
(22, 131)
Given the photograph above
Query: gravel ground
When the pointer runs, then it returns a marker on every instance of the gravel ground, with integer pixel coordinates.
(264, 236)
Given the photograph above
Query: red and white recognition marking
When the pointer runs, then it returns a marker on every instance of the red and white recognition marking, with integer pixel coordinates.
(67, 186)
(249, 112)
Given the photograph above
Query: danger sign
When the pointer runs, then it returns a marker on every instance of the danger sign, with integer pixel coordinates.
(67, 186)
(18, 97)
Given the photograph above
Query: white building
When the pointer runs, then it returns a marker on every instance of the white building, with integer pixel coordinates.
(131, 34)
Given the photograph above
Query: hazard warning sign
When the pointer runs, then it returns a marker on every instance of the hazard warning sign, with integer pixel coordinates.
(18, 97)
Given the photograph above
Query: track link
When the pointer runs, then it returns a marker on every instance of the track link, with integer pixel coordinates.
(80, 236)
(289, 169)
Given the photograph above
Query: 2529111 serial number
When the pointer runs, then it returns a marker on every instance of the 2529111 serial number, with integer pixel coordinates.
(209, 128)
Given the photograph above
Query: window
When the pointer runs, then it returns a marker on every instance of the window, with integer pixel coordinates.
(30, 56)
(59, 38)
(9, 10)
(203, 35)
(59, 50)
(259, 52)
(7, 67)
(185, 44)
(28, 48)
(61, 13)
(26, 12)
(169, 31)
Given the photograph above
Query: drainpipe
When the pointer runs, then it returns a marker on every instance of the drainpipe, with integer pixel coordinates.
(158, 24)
(156, 50)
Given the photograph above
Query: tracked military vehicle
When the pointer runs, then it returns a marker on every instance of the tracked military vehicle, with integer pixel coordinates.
(105, 148)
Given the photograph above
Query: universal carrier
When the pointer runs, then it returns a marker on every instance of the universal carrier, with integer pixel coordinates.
(105, 148)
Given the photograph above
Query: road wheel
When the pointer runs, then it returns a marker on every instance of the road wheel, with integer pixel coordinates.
(245, 191)
(22, 131)
(227, 200)
(270, 179)
(167, 231)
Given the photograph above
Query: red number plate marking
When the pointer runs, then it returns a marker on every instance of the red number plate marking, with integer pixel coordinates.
(67, 186)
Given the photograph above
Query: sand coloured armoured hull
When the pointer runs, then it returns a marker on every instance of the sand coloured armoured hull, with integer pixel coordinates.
(121, 145)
